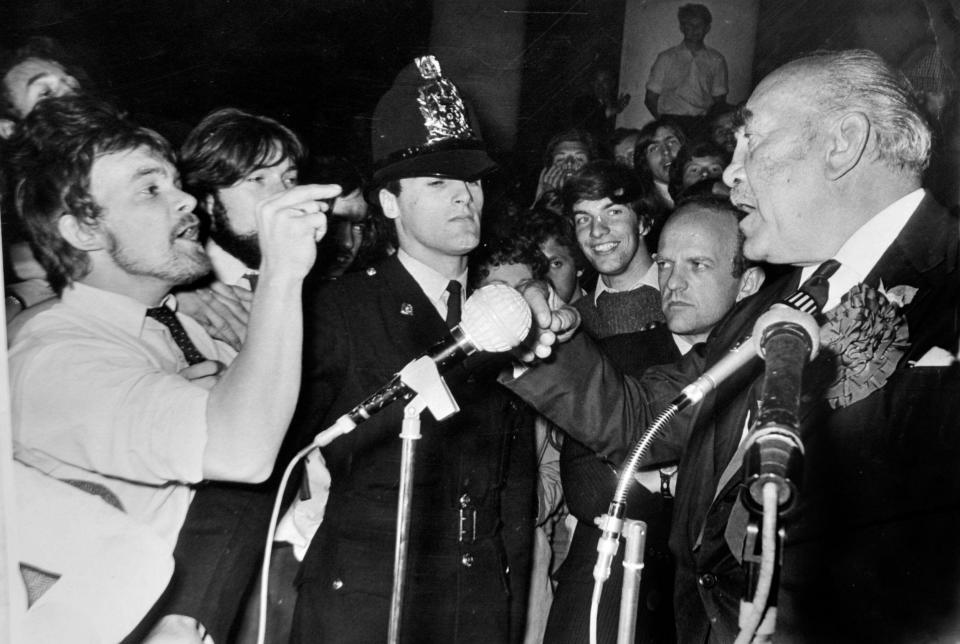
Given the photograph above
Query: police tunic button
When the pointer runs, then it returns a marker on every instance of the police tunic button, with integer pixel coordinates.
(371, 271)
(707, 580)
(405, 308)
(466, 560)
(337, 584)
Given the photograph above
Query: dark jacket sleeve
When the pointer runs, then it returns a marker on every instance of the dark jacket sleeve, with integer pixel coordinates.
(585, 394)
(324, 362)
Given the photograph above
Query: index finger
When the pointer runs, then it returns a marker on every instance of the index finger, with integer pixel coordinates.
(307, 192)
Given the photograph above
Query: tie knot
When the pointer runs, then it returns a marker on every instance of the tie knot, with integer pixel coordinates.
(825, 270)
(454, 288)
(813, 293)
(163, 315)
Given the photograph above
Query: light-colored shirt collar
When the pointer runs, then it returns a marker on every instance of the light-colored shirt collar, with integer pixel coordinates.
(432, 283)
(228, 268)
(683, 345)
(861, 252)
(118, 310)
(650, 278)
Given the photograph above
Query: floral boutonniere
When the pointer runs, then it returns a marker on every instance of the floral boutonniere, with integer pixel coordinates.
(866, 336)
(899, 296)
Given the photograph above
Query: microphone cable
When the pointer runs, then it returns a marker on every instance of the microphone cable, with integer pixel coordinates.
(268, 551)
(609, 541)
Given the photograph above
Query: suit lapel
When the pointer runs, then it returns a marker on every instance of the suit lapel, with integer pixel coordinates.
(924, 256)
(720, 421)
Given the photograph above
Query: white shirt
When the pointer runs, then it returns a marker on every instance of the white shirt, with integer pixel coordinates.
(861, 252)
(228, 269)
(96, 396)
(433, 284)
(687, 81)
(112, 568)
(683, 345)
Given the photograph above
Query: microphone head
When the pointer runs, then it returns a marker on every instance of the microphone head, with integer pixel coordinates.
(781, 314)
(496, 318)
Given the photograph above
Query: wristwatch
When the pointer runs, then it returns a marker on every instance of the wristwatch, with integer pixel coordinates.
(667, 473)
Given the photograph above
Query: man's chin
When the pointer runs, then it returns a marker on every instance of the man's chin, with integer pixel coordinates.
(192, 270)
(754, 255)
(756, 247)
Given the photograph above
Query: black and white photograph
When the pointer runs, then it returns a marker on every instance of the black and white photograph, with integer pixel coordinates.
(480, 321)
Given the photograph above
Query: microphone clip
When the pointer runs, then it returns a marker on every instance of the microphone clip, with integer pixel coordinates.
(423, 377)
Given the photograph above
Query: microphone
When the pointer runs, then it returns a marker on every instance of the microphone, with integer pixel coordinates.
(797, 309)
(741, 354)
(496, 318)
(806, 300)
(774, 451)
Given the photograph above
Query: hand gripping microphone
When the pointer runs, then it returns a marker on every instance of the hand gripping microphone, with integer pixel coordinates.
(495, 318)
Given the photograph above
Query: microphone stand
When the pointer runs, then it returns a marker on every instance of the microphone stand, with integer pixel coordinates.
(636, 538)
(423, 377)
(763, 579)
(773, 470)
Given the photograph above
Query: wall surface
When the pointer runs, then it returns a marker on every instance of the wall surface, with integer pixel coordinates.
(480, 46)
(650, 26)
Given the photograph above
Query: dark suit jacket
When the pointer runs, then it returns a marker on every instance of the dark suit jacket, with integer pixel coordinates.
(360, 330)
(588, 485)
(872, 552)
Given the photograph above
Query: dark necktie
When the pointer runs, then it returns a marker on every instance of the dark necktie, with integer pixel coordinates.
(453, 303)
(168, 318)
(252, 278)
(812, 294)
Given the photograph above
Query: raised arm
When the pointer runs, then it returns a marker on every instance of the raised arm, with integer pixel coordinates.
(249, 409)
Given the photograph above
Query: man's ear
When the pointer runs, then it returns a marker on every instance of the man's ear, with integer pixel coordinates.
(80, 235)
(6, 128)
(207, 203)
(388, 203)
(643, 227)
(847, 141)
(750, 282)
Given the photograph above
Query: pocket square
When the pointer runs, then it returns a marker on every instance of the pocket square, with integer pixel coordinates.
(935, 357)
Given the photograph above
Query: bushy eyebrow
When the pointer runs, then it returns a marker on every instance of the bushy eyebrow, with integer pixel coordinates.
(740, 117)
(159, 170)
(150, 170)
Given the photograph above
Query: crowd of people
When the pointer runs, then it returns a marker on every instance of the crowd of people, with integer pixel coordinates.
(184, 319)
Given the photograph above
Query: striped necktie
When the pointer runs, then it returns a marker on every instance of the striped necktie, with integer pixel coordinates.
(812, 294)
